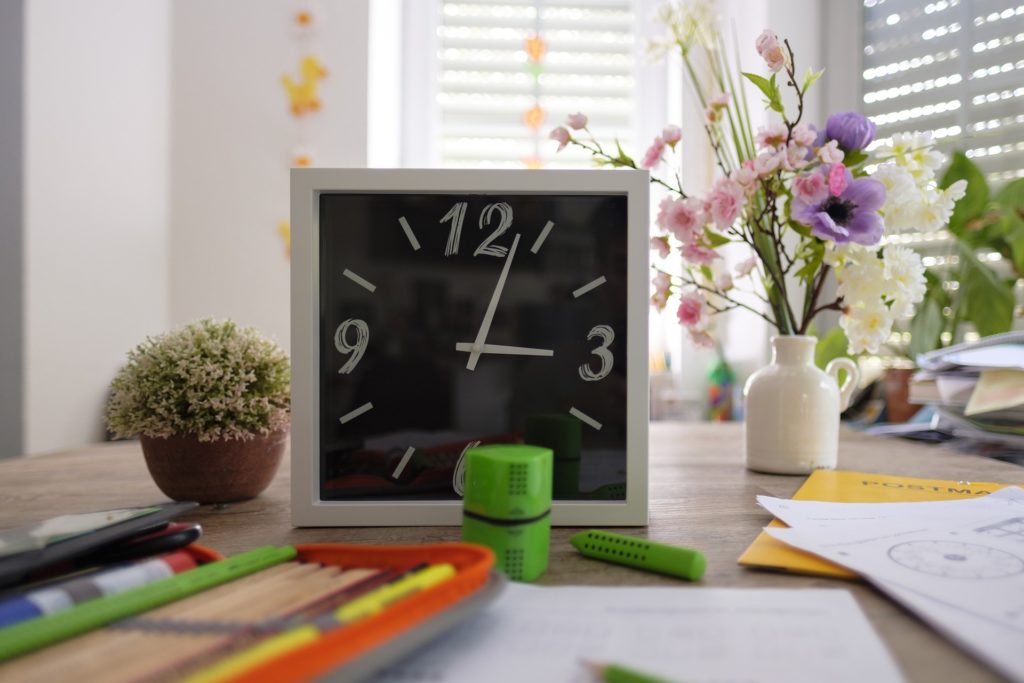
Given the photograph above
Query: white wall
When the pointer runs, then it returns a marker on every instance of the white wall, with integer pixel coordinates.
(233, 136)
(96, 179)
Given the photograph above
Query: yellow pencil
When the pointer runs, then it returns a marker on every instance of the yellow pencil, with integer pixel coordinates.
(363, 606)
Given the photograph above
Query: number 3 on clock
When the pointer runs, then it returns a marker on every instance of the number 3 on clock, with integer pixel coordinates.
(607, 336)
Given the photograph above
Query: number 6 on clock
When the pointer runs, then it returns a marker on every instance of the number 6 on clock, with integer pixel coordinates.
(607, 336)
(357, 349)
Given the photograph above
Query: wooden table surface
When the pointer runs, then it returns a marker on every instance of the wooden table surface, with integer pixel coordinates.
(700, 496)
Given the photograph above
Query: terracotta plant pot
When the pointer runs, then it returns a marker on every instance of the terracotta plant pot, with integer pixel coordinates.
(897, 391)
(186, 468)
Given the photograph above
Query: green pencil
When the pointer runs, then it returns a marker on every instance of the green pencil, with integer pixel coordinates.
(36, 633)
(613, 673)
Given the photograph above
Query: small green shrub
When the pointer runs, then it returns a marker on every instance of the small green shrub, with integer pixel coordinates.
(211, 379)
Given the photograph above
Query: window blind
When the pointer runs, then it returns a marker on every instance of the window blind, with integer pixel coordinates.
(511, 70)
(952, 66)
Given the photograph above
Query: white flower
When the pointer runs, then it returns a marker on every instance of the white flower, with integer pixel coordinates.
(904, 278)
(861, 282)
(867, 326)
(723, 282)
(915, 153)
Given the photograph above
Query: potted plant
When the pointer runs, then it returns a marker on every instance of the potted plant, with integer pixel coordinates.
(210, 403)
(800, 204)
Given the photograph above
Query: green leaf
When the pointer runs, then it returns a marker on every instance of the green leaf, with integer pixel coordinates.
(623, 159)
(800, 229)
(926, 328)
(707, 273)
(769, 88)
(855, 157)
(833, 345)
(987, 301)
(811, 76)
(715, 240)
(972, 205)
(812, 253)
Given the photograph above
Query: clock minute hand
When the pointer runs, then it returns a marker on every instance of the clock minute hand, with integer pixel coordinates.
(485, 326)
(504, 350)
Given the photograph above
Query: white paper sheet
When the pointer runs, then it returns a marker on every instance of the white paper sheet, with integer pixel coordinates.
(721, 635)
(803, 513)
(958, 564)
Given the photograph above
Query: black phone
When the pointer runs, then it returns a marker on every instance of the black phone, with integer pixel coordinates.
(66, 549)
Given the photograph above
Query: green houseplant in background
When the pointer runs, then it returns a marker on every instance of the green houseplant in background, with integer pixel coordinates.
(211, 405)
(981, 221)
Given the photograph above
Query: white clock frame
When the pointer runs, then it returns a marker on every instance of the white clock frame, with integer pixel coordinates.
(308, 509)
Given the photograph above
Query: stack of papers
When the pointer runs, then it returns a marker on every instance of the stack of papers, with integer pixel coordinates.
(959, 564)
(977, 389)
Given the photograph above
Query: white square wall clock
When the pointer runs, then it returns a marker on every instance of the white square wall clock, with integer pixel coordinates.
(433, 310)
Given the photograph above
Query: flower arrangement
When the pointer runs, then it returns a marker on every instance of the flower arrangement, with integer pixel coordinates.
(212, 380)
(803, 202)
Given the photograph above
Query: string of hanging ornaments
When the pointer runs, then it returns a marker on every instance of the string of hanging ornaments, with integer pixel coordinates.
(303, 95)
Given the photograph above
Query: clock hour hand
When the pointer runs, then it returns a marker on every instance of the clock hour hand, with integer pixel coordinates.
(485, 326)
(504, 350)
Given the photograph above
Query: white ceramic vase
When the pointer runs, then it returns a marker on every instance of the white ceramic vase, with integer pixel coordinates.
(792, 409)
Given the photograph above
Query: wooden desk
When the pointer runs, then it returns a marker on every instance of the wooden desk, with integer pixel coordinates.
(701, 496)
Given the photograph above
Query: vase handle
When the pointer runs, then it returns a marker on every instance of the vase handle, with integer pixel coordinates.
(852, 379)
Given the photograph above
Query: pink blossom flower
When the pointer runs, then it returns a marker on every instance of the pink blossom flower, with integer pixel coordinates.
(684, 218)
(723, 282)
(720, 101)
(713, 112)
(771, 50)
(767, 163)
(803, 134)
(810, 188)
(743, 268)
(837, 179)
(652, 157)
(745, 176)
(773, 135)
(660, 245)
(561, 134)
(796, 157)
(698, 255)
(671, 135)
(691, 310)
(725, 202)
(701, 338)
(662, 290)
(830, 153)
(576, 121)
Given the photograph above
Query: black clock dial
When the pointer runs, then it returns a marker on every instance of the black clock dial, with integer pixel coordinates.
(448, 320)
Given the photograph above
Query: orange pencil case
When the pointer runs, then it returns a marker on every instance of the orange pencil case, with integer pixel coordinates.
(355, 652)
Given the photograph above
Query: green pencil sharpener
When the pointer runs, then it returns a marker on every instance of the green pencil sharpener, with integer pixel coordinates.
(507, 506)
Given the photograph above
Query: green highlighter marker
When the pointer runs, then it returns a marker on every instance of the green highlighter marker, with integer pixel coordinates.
(685, 563)
(36, 633)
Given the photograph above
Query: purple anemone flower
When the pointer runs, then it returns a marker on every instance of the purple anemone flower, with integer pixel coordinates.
(851, 130)
(850, 216)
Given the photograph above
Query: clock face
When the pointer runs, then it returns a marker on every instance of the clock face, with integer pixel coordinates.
(450, 320)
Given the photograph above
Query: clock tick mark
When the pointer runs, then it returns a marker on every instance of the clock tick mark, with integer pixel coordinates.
(362, 282)
(541, 237)
(584, 418)
(353, 414)
(409, 234)
(405, 461)
(589, 286)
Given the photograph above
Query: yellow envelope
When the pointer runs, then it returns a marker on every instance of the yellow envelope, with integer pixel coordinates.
(852, 487)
